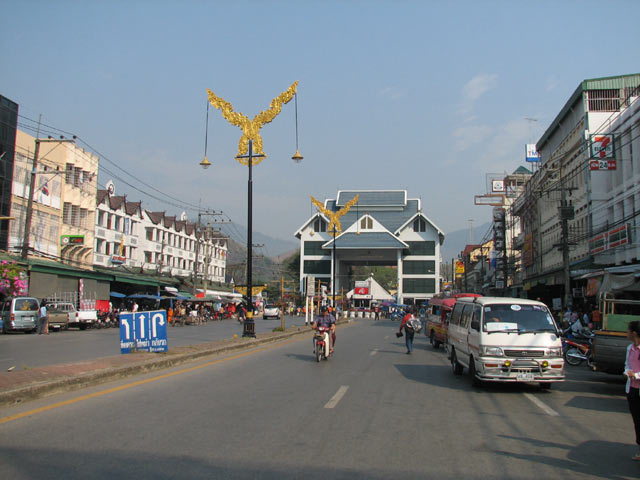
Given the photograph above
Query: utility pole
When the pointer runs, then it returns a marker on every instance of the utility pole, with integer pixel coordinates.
(282, 312)
(566, 213)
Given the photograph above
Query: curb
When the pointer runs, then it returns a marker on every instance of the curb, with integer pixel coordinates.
(67, 384)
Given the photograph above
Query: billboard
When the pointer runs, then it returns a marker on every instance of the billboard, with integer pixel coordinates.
(602, 146)
(531, 153)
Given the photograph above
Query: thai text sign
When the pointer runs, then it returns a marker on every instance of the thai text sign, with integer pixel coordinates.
(143, 331)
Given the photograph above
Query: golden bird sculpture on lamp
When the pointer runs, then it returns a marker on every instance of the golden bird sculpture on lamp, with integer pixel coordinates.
(334, 217)
(251, 128)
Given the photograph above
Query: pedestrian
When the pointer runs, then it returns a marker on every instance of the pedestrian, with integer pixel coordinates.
(134, 307)
(43, 319)
(377, 310)
(409, 330)
(632, 372)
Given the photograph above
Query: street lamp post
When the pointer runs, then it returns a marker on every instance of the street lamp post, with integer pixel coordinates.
(333, 279)
(251, 138)
(249, 326)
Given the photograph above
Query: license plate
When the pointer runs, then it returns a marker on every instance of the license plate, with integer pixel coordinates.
(525, 377)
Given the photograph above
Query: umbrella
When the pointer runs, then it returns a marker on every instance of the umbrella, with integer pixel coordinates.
(117, 295)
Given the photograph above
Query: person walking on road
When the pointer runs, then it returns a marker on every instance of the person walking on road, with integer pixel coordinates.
(377, 311)
(409, 330)
(43, 319)
(632, 372)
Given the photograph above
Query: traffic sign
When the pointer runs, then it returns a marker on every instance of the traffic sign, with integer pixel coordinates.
(143, 331)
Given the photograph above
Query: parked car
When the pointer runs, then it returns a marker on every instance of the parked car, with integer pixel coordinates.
(505, 340)
(59, 315)
(271, 311)
(75, 318)
(20, 314)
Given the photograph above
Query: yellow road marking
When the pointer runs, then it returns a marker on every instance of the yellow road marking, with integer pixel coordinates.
(140, 382)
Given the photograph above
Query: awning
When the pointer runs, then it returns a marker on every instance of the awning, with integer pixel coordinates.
(117, 295)
(135, 281)
(145, 297)
(171, 289)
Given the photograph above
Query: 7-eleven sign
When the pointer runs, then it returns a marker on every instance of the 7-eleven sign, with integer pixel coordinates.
(602, 146)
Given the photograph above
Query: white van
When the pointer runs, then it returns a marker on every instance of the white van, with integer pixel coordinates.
(505, 340)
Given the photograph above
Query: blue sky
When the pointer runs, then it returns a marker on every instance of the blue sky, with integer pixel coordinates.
(423, 96)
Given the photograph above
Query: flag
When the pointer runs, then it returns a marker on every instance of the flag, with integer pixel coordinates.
(45, 189)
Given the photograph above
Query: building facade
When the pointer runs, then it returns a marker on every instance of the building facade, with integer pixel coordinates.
(384, 228)
(128, 236)
(8, 130)
(570, 186)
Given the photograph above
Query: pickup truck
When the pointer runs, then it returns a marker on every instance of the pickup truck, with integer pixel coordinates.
(610, 343)
(74, 318)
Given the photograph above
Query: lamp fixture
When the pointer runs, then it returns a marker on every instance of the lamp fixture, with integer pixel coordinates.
(296, 156)
(206, 163)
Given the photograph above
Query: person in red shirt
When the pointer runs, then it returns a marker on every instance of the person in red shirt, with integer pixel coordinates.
(408, 330)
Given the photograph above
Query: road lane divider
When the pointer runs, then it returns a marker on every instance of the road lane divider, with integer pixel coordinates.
(337, 397)
(541, 405)
(373, 352)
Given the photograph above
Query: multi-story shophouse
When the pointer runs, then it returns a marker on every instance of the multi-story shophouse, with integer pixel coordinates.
(128, 235)
(569, 187)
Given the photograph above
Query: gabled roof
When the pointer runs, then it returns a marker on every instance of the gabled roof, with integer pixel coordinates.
(115, 201)
(305, 224)
(169, 221)
(101, 196)
(131, 208)
(155, 217)
(366, 240)
(390, 219)
(373, 198)
(420, 214)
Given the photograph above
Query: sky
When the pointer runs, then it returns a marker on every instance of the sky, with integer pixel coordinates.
(425, 96)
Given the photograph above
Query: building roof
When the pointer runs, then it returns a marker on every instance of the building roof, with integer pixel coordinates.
(366, 240)
(101, 196)
(522, 171)
(133, 207)
(373, 198)
(602, 83)
(155, 217)
(390, 219)
(115, 201)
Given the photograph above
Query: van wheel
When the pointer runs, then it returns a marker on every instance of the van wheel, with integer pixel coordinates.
(432, 339)
(475, 381)
(457, 368)
(83, 326)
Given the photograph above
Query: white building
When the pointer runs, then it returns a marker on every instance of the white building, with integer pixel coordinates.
(127, 235)
(384, 228)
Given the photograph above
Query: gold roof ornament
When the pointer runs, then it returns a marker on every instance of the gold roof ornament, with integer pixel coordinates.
(334, 217)
(251, 128)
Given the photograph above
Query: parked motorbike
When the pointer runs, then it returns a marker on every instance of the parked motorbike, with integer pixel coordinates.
(321, 340)
(578, 350)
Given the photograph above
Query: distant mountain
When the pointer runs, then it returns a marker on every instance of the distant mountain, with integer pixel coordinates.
(455, 241)
(272, 246)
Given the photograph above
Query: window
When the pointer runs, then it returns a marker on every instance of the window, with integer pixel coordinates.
(77, 176)
(149, 234)
(109, 220)
(314, 248)
(475, 319)
(466, 315)
(147, 257)
(419, 267)
(99, 245)
(457, 314)
(68, 174)
(366, 223)
(84, 215)
(419, 285)
(419, 225)
(66, 213)
(422, 248)
(75, 215)
(107, 248)
(319, 225)
(317, 267)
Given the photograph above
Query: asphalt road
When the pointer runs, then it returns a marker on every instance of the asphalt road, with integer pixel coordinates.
(22, 350)
(369, 412)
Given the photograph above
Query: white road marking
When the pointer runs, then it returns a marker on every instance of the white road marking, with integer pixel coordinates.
(337, 397)
(387, 337)
(541, 405)
(373, 352)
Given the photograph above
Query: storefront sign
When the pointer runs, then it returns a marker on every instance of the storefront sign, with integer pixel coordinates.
(615, 237)
(118, 259)
(602, 165)
(72, 240)
(361, 288)
(532, 154)
(459, 268)
(602, 146)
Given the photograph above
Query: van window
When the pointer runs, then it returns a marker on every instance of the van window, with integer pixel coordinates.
(466, 315)
(6, 306)
(475, 319)
(436, 310)
(26, 305)
(457, 313)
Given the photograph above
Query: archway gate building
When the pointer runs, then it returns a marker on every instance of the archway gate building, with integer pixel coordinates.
(385, 228)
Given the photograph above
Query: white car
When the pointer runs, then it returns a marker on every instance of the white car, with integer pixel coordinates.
(271, 311)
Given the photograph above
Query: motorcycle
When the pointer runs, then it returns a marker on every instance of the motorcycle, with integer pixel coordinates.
(321, 340)
(578, 350)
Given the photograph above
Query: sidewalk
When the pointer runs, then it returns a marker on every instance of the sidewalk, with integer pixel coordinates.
(29, 384)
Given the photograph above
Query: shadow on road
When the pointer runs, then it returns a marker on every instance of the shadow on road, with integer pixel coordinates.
(593, 457)
(599, 404)
(302, 358)
(33, 463)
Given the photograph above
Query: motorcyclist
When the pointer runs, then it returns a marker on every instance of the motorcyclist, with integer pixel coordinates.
(325, 319)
